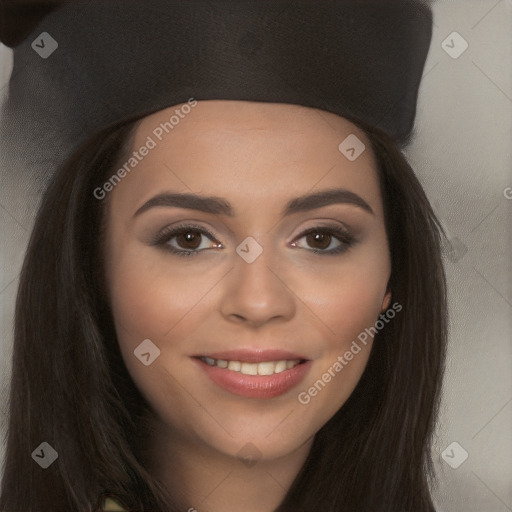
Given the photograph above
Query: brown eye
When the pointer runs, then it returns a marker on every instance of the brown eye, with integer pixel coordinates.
(327, 240)
(189, 240)
(186, 240)
(319, 240)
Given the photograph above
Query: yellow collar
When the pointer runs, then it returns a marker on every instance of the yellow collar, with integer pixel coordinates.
(112, 503)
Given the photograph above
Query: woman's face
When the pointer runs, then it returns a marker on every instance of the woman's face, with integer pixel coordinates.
(280, 281)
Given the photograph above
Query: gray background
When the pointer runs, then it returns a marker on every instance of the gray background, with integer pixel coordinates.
(462, 155)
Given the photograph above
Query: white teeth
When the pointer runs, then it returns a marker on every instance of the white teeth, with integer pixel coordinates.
(264, 368)
(280, 367)
(235, 366)
(249, 368)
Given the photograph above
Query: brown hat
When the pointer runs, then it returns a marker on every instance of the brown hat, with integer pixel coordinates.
(94, 63)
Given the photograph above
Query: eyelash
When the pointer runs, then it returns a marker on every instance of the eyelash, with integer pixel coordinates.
(162, 239)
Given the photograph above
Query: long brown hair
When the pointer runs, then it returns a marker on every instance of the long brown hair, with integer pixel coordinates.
(70, 387)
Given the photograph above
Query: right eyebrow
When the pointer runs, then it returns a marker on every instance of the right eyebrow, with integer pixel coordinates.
(210, 204)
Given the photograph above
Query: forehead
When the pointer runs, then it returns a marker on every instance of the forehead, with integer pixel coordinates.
(242, 150)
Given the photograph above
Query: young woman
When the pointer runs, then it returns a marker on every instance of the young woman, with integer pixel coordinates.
(228, 305)
(360, 246)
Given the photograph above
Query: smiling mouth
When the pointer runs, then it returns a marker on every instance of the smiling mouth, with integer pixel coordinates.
(253, 373)
(246, 368)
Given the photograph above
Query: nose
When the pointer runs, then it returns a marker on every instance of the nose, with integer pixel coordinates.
(256, 294)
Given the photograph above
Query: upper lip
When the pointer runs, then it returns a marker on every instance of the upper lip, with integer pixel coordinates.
(253, 356)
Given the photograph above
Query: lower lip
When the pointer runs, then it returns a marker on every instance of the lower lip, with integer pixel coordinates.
(255, 386)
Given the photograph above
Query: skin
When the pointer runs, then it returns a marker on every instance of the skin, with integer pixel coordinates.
(257, 156)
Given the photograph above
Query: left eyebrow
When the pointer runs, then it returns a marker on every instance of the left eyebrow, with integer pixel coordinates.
(216, 205)
(325, 198)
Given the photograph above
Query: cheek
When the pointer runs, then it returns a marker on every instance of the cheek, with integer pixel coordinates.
(351, 307)
(348, 302)
(347, 297)
(152, 301)
(149, 297)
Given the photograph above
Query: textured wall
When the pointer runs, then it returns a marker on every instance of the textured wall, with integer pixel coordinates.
(463, 157)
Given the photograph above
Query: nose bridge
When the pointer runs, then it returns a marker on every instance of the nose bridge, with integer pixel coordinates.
(255, 291)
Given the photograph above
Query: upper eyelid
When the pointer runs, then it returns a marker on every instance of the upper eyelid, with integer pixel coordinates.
(183, 227)
(208, 232)
(174, 230)
(169, 232)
